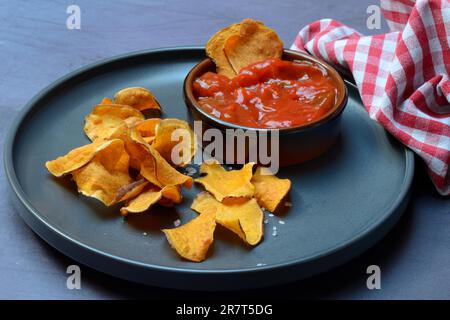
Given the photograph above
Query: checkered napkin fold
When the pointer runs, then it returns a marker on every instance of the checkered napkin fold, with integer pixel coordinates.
(402, 76)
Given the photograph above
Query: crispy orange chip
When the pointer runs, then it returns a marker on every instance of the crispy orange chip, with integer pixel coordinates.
(192, 240)
(227, 184)
(172, 193)
(245, 219)
(255, 42)
(154, 167)
(104, 120)
(171, 196)
(105, 173)
(106, 101)
(269, 189)
(133, 121)
(143, 201)
(147, 128)
(151, 164)
(75, 159)
(151, 195)
(175, 141)
(138, 98)
(214, 49)
(136, 150)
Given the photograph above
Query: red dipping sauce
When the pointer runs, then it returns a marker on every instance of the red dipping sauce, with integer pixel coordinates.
(269, 94)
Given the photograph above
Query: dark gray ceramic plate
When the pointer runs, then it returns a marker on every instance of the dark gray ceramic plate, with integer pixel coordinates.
(342, 203)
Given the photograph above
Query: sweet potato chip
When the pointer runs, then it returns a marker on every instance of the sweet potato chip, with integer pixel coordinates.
(172, 194)
(269, 189)
(192, 240)
(175, 141)
(143, 201)
(150, 195)
(105, 173)
(104, 120)
(133, 121)
(244, 219)
(147, 128)
(255, 42)
(106, 101)
(136, 151)
(154, 167)
(227, 184)
(75, 159)
(131, 190)
(214, 49)
(157, 167)
(138, 98)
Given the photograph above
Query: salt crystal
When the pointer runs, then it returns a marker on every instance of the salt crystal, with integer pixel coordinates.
(177, 222)
(266, 221)
(270, 214)
(281, 222)
(260, 264)
(274, 232)
(144, 233)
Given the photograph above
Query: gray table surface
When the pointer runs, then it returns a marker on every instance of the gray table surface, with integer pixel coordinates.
(36, 48)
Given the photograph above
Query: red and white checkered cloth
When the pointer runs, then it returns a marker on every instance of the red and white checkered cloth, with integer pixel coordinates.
(402, 76)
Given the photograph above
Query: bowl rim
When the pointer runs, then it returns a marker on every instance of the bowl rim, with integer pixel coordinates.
(191, 102)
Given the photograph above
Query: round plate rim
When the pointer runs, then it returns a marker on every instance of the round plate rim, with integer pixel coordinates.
(20, 194)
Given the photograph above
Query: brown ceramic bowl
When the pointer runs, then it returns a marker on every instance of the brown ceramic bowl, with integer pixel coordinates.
(296, 144)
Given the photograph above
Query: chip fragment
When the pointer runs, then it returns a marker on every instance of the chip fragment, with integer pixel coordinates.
(147, 129)
(143, 201)
(137, 97)
(106, 101)
(269, 189)
(105, 119)
(245, 219)
(214, 49)
(154, 167)
(105, 173)
(193, 239)
(224, 184)
(255, 42)
(175, 141)
(172, 194)
(75, 159)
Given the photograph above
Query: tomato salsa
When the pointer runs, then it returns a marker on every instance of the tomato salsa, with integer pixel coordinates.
(269, 94)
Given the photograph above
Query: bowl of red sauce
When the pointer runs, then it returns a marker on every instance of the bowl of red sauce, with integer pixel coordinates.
(298, 96)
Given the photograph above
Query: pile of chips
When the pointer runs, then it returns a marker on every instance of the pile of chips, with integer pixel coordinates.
(241, 44)
(233, 199)
(130, 158)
